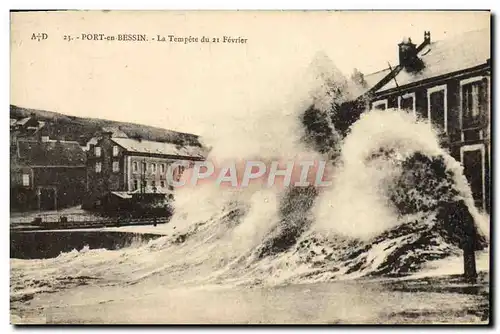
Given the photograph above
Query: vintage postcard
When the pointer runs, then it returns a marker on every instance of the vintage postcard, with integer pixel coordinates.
(250, 167)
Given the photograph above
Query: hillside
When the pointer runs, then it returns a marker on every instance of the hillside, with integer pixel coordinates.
(83, 129)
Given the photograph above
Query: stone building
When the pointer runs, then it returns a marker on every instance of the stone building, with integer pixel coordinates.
(447, 82)
(122, 166)
(46, 174)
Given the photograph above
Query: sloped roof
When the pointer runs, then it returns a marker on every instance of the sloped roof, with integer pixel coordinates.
(51, 153)
(154, 147)
(359, 88)
(23, 121)
(116, 132)
(373, 78)
(447, 56)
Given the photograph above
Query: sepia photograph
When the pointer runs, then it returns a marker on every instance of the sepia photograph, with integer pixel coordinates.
(250, 167)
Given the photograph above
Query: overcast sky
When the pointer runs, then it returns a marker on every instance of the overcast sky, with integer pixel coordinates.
(186, 87)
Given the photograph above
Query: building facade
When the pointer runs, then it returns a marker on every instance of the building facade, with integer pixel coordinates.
(121, 166)
(447, 82)
(46, 174)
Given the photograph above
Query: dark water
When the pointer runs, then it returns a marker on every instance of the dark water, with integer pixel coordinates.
(49, 244)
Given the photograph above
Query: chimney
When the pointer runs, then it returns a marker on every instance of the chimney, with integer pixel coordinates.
(407, 53)
(427, 37)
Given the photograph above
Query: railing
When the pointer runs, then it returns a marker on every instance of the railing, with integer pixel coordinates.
(50, 222)
(55, 216)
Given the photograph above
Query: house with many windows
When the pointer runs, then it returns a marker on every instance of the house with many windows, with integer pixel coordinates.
(448, 83)
(120, 167)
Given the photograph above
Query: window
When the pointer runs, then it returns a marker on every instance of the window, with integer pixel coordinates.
(437, 106)
(135, 185)
(134, 166)
(26, 180)
(144, 167)
(153, 184)
(98, 167)
(97, 151)
(474, 100)
(116, 166)
(178, 173)
(115, 151)
(153, 168)
(379, 105)
(162, 168)
(407, 102)
(162, 184)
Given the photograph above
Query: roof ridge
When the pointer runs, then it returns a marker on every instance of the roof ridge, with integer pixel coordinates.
(445, 39)
(379, 71)
(467, 50)
(143, 140)
(50, 141)
(460, 35)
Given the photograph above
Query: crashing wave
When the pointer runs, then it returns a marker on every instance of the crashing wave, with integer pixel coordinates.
(382, 216)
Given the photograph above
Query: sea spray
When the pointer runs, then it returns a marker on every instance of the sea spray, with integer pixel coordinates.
(261, 218)
(329, 90)
(273, 236)
(374, 156)
(393, 179)
(273, 132)
(357, 205)
(294, 219)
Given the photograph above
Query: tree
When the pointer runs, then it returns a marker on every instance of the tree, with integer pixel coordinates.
(460, 227)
